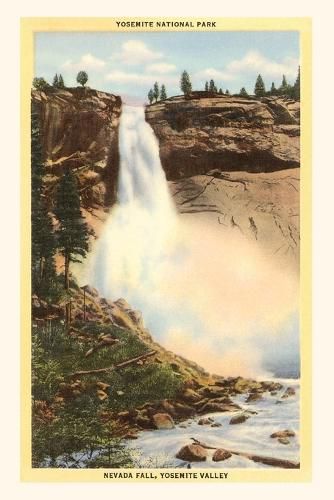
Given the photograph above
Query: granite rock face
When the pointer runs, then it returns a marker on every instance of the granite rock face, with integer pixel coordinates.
(225, 133)
(79, 129)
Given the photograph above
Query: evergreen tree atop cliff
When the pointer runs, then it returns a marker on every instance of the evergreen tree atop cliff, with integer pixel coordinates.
(259, 89)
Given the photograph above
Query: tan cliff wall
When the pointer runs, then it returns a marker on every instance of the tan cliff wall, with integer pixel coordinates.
(79, 129)
(199, 135)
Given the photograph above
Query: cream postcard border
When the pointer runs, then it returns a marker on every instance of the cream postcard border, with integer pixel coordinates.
(29, 26)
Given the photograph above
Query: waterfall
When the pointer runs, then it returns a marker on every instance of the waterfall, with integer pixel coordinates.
(134, 242)
(213, 297)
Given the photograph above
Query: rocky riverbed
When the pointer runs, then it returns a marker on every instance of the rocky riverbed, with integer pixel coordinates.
(266, 426)
(262, 431)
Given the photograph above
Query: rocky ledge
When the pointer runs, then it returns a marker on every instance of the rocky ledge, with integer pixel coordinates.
(226, 133)
(79, 129)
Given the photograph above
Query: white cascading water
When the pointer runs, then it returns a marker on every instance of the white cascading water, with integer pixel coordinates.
(134, 243)
(209, 296)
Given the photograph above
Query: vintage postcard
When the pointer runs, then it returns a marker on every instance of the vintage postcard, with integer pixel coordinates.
(166, 331)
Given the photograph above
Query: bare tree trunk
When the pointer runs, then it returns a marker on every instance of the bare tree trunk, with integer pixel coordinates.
(67, 272)
(84, 290)
(67, 287)
(41, 269)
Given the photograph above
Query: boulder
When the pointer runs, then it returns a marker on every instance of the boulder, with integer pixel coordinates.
(102, 385)
(212, 391)
(254, 396)
(163, 421)
(192, 453)
(168, 407)
(101, 395)
(191, 396)
(205, 421)
(218, 407)
(271, 386)
(216, 424)
(220, 455)
(290, 391)
(144, 422)
(283, 440)
(283, 434)
(183, 410)
(239, 419)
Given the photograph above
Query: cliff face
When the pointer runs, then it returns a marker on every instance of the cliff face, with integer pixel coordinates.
(229, 159)
(264, 208)
(234, 162)
(79, 128)
(225, 133)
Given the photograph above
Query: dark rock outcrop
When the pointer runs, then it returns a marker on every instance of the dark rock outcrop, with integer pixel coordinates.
(192, 453)
(239, 419)
(225, 133)
(79, 129)
(220, 455)
(283, 434)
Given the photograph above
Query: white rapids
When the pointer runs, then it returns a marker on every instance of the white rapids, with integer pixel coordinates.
(157, 448)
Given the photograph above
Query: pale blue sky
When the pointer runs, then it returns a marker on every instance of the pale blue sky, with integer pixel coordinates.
(129, 63)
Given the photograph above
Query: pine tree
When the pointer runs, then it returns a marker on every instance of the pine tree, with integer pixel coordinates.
(259, 89)
(220, 91)
(212, 86)
(185, 83)
(206, 86)
(55, 81)
(42, 237)
(61, 84)
(243, 92)
(156, 91)
(72, 233)
(227, 92)
(273, 89)
(283, 90)
(163, 93)
(150, 96)
(296, 87)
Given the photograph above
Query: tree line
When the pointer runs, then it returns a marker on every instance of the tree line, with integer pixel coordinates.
(157, 93)
(285, 89)
(65, 232)
(39, 83)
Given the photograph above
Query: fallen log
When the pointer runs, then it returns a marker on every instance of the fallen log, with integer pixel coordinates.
(104, 343)
(274, 462)
(113, 367)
